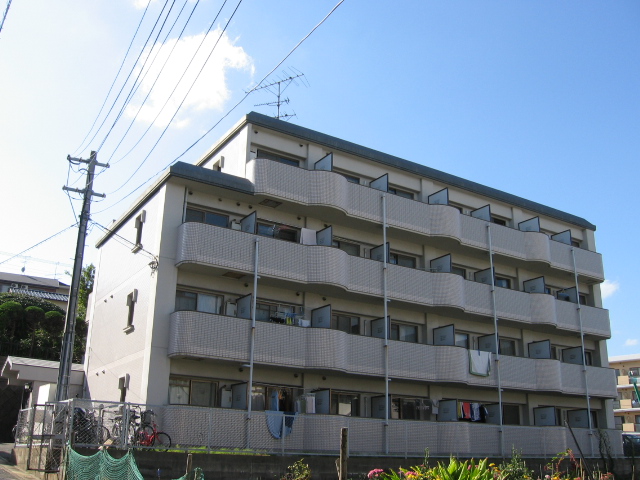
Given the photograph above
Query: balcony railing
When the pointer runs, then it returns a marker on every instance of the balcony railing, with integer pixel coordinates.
(327, 189)
(208, 429)
(230, 249)
(204, 335)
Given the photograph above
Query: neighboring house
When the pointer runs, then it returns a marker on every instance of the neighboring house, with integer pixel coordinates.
(39, 378)
(346, 326)
(627, 406)
(49, 289)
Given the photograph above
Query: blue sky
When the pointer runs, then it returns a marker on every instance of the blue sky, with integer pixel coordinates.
(540, 99)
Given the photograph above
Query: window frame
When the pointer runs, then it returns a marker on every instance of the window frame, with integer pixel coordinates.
(335, 322)
(277, 157)
(205, 212)
(276, 230)
(339, 242)
(397, 325)
(220, 296)
(214, 393)
(400, 192)
(402, 256)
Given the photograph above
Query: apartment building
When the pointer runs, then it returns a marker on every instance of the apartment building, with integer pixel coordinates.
(626, 406)
(294, 271)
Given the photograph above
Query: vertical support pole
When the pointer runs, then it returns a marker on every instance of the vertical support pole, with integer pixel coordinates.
(584, 360)
(386, 324)
(282, 434)
(497, 341)
(66, 354)
(184, 204)
(253, 335)
(344, 453)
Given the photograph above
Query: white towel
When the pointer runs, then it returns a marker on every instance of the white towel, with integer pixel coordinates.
(308, 236)
(479, 363)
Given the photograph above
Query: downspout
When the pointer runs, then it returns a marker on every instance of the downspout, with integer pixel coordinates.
(253, 327)
(184, 205)
(584, 360)
(386, 323)
(497, 340)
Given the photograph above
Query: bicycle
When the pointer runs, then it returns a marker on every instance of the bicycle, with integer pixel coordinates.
(132, 427)
(88, 429)
(148, 434)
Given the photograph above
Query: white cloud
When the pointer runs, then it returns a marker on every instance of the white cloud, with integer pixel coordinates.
(210, 91)
(142, 3)
(630, 342)
(608, 288)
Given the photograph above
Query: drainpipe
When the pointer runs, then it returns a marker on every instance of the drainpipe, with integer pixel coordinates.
(386, 324)
(253, 327)
(184, 205)
(584, 360)
(497, 340)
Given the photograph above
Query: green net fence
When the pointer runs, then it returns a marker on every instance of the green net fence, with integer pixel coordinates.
(102, 466)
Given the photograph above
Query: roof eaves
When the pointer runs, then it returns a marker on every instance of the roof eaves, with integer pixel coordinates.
(402, 164)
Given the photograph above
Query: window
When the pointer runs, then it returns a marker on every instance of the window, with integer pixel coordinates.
(462, 340)
(508, 347)
(282, 232)
(402, 260)
(278, 158)
(202, 216)
(275, 312)
(345, 323)
(350, 248)
(350, 178)
(459, 271)
(575, 243)
(511, 414)
(502, 282)
(588, 357)
(345, 403)
(132, 298)
(200, 302)
(400, 193)
(584, 299)
(264, 397)
(499, 221)
(198, 392)
(403, 332)
(410, 408)
(140, 219)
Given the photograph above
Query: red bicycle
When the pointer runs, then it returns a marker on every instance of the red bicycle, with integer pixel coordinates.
(148, 434)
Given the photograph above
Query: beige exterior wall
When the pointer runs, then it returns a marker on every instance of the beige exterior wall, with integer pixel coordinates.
(208, 259)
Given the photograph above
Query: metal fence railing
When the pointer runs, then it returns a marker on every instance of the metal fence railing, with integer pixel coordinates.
(87, 423)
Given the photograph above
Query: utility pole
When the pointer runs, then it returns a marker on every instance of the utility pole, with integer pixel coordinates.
(66, 355)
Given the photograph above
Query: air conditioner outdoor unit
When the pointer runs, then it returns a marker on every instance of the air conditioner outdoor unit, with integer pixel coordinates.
(14, 285)
(24, 287)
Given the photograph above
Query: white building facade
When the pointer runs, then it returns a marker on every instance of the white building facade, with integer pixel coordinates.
(290, 270)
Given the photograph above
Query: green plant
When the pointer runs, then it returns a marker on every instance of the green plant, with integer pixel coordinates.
(297, 471)
(515, 468)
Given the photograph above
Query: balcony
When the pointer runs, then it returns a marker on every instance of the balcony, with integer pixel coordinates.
(628, 404)
(333, 191)
(324, 267)
(218, 337)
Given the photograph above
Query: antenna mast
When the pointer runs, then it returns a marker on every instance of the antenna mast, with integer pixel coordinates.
(282, 83)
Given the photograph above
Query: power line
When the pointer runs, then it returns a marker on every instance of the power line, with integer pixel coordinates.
(152, 87)
(136, 83)
(4, 17)
(39, 243)
(229, 112)
(183, 98)
(114, 80)
(113, 104)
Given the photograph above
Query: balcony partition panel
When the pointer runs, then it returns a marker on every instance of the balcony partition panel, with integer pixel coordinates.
(334, 191)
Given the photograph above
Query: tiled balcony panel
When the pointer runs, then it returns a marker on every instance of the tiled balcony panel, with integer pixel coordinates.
(225, 248)
(196, 334)
(334, 191)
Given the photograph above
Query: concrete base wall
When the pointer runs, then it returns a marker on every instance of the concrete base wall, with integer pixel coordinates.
(270, 467)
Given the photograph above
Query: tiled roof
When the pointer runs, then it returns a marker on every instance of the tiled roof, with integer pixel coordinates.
(30, 280)
(54, 297)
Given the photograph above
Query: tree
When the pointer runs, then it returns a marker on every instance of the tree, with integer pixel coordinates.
(11, 315)
(34, 317)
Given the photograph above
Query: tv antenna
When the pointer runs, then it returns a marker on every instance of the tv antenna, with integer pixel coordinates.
(278, 87)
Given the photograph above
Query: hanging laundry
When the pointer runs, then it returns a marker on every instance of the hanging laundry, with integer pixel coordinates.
(475, 412)
(479, 363)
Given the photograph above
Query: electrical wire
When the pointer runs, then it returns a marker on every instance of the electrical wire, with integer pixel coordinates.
(175, 88)
(226, 114)
(152, 87)
(113, 104)
(182, 102)
(114, 80)
(137, 81)
(39, 243)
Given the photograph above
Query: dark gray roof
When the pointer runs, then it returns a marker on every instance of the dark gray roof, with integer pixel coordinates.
(399, 163)
(30, 280)
(211, 177)
(55, 297)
